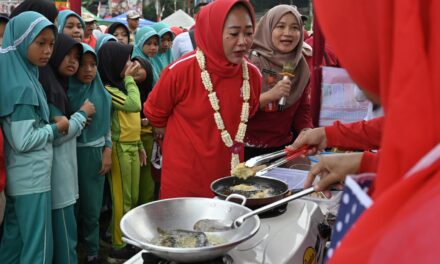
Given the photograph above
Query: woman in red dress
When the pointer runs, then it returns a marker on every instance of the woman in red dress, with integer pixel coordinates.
(206, 119)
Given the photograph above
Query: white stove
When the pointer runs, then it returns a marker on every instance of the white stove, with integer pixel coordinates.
(291, 237)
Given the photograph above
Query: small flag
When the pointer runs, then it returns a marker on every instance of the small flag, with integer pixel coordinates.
(354, 202)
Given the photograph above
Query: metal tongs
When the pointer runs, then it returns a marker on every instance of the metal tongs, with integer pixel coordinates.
(289, 155)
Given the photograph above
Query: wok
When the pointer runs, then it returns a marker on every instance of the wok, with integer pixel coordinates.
(221, 188)
(139, 226)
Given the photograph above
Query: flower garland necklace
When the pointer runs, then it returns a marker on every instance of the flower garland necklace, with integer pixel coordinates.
(236, 146)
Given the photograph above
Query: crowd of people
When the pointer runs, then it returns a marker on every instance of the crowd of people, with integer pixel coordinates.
(84, 111)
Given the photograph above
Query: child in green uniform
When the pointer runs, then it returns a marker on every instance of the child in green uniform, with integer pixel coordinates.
(146, 47)
(24, 114)
(144, 81)
(165, 56)
(104, 38)
(128, 154)
(64, 181)
(71, 24)
(93, 148)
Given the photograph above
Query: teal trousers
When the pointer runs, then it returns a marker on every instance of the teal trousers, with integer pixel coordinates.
(91, 188)
(64, 235)
(27, 231)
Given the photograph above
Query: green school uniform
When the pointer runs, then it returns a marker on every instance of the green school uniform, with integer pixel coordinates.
(90, 145)
(126, 130)
(163, 59)
(24, 115)
(142, 35)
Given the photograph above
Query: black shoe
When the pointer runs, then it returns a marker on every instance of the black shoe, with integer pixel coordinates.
(105, 240)
(120, 255)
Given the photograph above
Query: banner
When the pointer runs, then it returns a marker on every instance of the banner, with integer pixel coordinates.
(118, 7)
(6, 7)
(338, 98)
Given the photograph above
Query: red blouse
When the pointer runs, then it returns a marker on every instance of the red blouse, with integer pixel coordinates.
(91, 41)
(194, 154)
(364, 135)
(274, 129)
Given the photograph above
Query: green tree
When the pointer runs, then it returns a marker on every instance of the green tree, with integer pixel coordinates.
(149, 11)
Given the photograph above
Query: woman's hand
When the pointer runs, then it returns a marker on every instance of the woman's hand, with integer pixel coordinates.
(332, 170)
(62, 124)
(159, 133)
(88, 107)
(315, 138)
(281, 89)
(106, 163)
(142, 157)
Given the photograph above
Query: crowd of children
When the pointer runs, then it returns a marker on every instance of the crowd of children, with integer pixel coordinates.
(71, 115)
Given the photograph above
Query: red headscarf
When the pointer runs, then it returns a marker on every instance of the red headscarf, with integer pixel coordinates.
(391, 48)
(212, 44)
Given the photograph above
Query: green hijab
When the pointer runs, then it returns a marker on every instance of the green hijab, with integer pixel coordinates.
(18, 76)
(103, 39)
(79, 92)
(64, 15)
(142, 35)
(163, 59)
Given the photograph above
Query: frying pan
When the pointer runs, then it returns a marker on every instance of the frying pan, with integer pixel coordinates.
(139, 226)
(222, 188)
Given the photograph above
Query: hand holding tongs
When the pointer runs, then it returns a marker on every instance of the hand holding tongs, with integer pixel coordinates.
(289, 155)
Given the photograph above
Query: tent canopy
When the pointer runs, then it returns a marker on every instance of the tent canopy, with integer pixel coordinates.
(179, 19)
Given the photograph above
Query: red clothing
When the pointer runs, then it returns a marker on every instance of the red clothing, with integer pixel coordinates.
(177, 30)
(362, 135)
(390, 48)
(274, 129)
(329, 58)
(306, 35)
(91, 41)
(369, 162)
(384, 64)
(194, 154)
(2, 164)
(270, 128)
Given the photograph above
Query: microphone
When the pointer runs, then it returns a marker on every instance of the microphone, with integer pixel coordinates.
(287, 73)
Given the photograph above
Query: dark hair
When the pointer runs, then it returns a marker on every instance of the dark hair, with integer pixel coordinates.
(112, 28)
(4, 17)
(146, 86)
(45, 7)
(198, 7)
